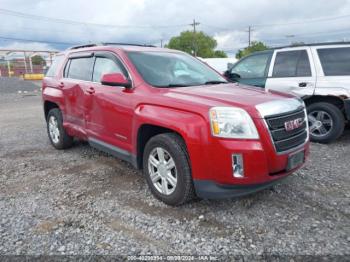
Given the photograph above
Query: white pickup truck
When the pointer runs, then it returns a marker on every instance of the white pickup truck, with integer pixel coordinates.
(318, 73)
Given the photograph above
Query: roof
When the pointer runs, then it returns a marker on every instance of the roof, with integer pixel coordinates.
(311, 44)
(108, 44)
(123, 46)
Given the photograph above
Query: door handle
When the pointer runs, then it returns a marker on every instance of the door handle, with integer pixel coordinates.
(302, 84)
(91, 90)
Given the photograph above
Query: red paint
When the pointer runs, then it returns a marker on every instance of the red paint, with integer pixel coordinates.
(115, 114)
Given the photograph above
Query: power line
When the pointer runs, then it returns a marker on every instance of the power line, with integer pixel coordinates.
(5, 38)
(37, 41)
(73, 22)
(308, 35)
(316, 20)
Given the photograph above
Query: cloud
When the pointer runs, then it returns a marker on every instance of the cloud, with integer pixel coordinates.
(28, 46)
(149, 21)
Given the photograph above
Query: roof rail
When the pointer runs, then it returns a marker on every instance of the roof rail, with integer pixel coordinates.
(101, 44)
(128, 44)
(311, 44)
(83, 46)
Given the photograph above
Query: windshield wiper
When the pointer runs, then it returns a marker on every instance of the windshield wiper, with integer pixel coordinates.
(176, 85)
(214, 82)
(173, 85)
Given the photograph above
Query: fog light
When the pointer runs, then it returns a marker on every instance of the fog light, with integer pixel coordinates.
(237, 165)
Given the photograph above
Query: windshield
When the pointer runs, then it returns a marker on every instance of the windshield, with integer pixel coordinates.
(166, 69)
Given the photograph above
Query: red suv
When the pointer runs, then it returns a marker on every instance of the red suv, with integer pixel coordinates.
(192, 132)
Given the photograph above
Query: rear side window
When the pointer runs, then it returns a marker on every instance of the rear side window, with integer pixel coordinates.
(80, 68)
(292, 64)
(54, 66)
(104, 66)
(335, 61)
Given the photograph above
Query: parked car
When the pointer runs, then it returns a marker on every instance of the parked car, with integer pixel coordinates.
(192, 132)
(318, 73)
(219, 64)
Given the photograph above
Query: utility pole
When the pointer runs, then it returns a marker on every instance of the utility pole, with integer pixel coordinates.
(194, 43)
(161, 42)
(250, 30)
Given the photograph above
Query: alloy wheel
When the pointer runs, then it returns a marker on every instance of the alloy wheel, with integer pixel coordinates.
(320, 123)
(54, 130)
(162, 171)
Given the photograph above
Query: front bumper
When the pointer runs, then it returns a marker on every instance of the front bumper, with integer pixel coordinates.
(207, 189)
(212, 168)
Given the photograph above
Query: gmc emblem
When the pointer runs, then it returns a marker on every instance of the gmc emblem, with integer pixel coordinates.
(293, 124)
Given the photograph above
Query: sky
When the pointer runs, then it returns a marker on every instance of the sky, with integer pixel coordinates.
(58, 24)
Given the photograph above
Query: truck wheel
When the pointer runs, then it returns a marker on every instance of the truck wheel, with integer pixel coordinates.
(326, 122)
(167, 169)
(58, 136)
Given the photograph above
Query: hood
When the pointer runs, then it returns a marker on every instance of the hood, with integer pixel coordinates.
(232, 94)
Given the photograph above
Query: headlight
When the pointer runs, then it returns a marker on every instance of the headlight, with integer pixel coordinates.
(231, 122)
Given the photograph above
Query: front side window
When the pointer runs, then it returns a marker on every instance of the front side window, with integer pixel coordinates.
(335, 61)
(167, 69)
(54, 66)
(252, 67)
(292, 64)
(80, 68)
(104, 66)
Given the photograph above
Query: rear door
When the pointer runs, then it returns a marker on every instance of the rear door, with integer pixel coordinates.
(292, 71)
(333, 66)
(109, 118)
(75, 83)
(251, 70)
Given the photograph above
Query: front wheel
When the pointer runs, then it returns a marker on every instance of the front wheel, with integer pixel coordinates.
(58, 136)
(167, 169)
(326, 122)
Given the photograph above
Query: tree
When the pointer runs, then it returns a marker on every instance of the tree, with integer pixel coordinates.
(254, 47)
(38, 60)
(205, 45)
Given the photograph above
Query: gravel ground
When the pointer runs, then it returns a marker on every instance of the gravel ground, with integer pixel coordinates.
(81, 201)
(10, 85)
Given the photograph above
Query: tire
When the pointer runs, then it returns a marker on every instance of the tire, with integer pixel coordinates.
(58, 137)
(333, 122)
(173, 147)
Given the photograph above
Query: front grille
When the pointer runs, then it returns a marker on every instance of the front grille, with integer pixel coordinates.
(285, 140)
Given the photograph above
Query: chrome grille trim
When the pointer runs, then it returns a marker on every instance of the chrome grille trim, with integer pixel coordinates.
(297, 110)
(280, 107)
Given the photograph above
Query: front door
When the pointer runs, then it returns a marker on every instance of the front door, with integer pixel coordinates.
(292, 72)
(251, 70)
(109, 118)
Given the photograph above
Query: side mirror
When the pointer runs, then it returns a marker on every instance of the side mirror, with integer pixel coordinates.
(227, 74)
(115, 79)
(235, 76)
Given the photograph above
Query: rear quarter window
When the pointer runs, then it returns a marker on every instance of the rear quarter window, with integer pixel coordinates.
(57, 61)
(335, 61)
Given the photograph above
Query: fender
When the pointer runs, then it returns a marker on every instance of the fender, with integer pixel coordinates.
(339, 92)
(54, 95)
(336, 94)
(193, 128)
